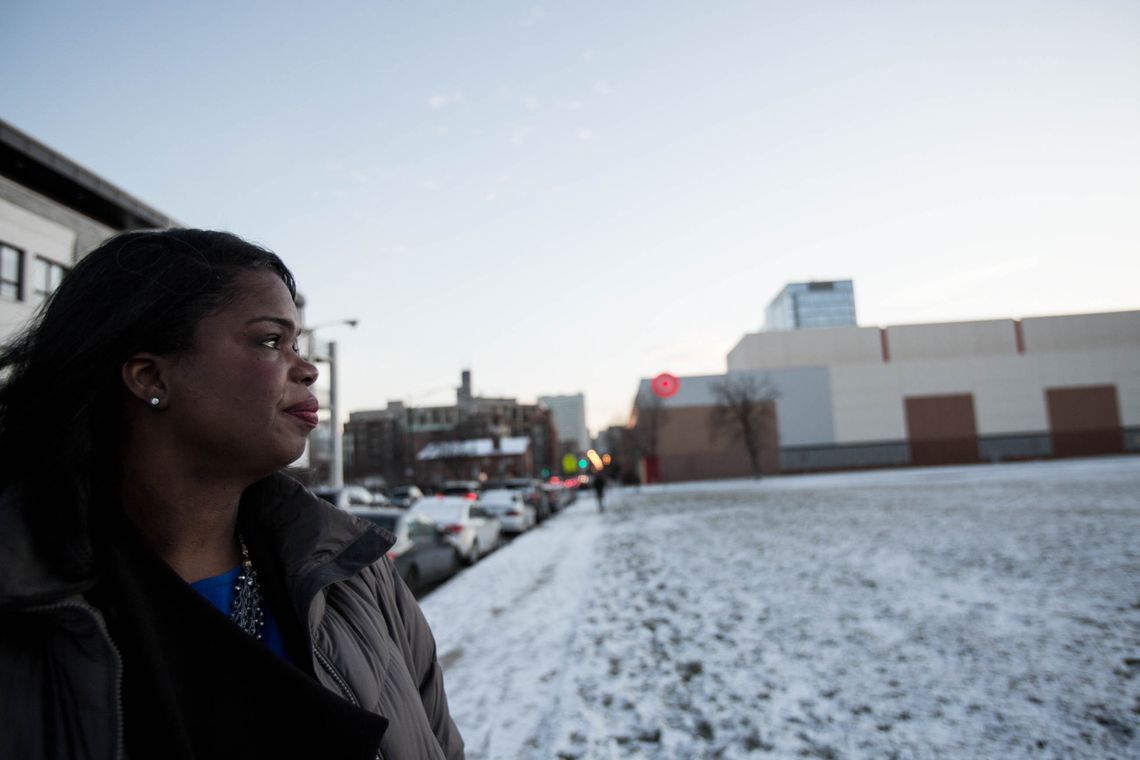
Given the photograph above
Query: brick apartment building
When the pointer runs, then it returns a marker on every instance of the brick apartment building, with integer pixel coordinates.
(384, 443)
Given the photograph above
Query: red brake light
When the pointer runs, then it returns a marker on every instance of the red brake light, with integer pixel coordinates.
(454, 529)
(472, 496)
(439, 496)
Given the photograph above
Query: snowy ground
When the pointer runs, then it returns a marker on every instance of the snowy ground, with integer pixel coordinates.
(970, 612)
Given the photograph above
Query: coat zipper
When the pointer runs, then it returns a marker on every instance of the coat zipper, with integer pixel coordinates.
(102, 625)
(340, 680)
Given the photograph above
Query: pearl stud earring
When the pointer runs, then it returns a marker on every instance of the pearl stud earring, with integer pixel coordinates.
(154, 401)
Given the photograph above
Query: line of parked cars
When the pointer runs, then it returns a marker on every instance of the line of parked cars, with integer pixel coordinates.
(457, 524)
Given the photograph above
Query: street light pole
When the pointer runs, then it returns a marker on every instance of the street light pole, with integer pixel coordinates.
(336, 476)
(336, 466)
(410, 446)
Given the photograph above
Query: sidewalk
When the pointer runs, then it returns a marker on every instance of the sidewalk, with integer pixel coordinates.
(505, 629)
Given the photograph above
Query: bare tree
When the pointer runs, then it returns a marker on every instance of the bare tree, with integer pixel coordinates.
(744, 409)
(646, 429)
(648, 423)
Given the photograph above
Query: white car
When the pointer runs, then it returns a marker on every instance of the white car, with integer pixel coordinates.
(472, 529)
(515, 515)
(348, 496)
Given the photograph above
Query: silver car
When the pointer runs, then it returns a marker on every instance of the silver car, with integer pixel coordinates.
(515, 515)
(424, 554)
(473, 530)
(347, 496)
(405, 496)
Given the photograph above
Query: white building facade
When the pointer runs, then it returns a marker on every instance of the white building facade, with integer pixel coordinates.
(52, 212)
(569, 418)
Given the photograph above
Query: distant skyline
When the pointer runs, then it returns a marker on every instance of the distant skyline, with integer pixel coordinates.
(568, 197)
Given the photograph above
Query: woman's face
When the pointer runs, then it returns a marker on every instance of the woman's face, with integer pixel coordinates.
(239, 399)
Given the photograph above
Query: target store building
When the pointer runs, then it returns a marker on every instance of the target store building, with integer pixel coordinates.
(923, 394)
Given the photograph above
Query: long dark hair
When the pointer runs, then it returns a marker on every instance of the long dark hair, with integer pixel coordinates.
(61, 391)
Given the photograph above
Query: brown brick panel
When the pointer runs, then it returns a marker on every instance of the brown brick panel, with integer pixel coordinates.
(687, 450)
(1084, 421)
(941, 429)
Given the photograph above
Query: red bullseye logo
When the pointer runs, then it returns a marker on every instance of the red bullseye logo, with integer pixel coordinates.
(665, 385)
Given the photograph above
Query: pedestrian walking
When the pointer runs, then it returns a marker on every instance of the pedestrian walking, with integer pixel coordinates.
(600, 490)
(165, 590)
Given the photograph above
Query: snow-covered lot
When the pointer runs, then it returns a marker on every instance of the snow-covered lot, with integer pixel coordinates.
(971, 612)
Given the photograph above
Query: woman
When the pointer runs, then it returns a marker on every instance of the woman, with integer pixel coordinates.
(164, 590)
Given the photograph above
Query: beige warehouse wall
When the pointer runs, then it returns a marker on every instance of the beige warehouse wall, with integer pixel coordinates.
(934, 341)
(866, 403)
(805, 348)
(1009, 391)
(1081, 331)
(995, 337)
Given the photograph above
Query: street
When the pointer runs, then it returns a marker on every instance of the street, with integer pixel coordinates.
(985, 611)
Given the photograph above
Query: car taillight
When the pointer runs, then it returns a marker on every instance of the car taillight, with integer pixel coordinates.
(514, 513)
(472, 496)
(454, 529)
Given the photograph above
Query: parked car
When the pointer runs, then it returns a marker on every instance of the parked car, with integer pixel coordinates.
(473, 530)
(571, 486)
(424, 553)
(515, 515)
(346, 496)
(468, 488)
(531, 491)
(405, 496)
(558, 495)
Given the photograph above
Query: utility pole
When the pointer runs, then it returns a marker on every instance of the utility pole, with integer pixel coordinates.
(336, 475)
(336, 466)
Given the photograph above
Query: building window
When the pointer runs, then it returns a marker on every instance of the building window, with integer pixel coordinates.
(46, 277)
(11, 272)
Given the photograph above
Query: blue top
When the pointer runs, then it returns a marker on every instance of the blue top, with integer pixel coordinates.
(219, 591)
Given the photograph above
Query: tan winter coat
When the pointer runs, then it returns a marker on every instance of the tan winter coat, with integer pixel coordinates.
(60, 672)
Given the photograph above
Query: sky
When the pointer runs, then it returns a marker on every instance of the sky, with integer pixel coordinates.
(570, 196)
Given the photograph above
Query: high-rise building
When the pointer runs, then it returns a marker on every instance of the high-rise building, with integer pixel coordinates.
(812, 304)
(570, 419)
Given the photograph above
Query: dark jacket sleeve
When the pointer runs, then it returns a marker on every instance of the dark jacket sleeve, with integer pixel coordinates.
(426, 671)
(57, 686)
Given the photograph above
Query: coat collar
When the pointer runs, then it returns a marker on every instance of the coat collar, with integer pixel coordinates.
(317, 543)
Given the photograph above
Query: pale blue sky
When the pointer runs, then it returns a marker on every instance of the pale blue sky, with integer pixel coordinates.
(571, 196)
